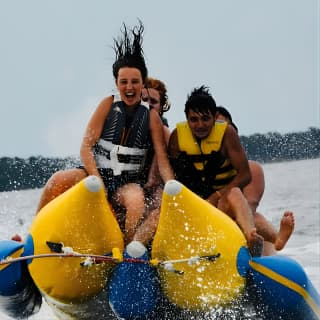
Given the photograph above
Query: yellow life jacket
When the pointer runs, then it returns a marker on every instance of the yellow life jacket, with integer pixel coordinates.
(214, 170)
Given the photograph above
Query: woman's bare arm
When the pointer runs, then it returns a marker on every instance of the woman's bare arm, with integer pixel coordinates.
(92, 135)
(160, 147)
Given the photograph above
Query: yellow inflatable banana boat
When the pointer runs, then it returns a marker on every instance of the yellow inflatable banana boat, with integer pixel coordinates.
(191, 228)
(80, 220)
(198, 253)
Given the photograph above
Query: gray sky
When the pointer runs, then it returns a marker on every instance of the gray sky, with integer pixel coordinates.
(260, 59)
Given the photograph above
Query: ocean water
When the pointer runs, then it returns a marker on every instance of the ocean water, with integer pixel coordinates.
(291, 186)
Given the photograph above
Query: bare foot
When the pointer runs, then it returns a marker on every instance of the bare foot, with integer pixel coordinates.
(286, 229)
(17, 238)
(255, 243)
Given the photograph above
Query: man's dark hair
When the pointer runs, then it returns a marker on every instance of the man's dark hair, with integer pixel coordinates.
(200, 101)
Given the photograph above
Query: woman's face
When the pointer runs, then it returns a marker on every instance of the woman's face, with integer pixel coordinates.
(130, 85)
(152, 96)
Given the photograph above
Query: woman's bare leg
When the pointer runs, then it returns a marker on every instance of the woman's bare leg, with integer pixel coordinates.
(58, 183)
(235, 204)
(131, 197)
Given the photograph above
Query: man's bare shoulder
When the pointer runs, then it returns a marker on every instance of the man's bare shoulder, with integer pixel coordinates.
(231, 140)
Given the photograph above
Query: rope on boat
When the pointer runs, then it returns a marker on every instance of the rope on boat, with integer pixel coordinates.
(59, 247)
(168, 264)
(60, 251)
(94, 258)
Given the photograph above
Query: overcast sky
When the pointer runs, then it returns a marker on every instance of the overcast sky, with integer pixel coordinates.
(260, 59)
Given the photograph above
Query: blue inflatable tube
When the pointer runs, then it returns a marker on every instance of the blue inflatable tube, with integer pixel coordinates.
(134, 289)
(19, 296)
(11, 280)
(283, 289)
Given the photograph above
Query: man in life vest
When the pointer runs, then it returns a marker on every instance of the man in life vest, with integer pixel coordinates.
(208, 158)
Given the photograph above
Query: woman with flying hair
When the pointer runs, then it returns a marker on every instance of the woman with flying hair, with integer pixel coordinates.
(119, 143)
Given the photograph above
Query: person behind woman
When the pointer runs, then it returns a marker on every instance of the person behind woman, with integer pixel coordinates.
(253, 192)
(120, 141)
(155, 95)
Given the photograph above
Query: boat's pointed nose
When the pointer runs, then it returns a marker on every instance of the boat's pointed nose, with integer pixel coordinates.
(172, 187)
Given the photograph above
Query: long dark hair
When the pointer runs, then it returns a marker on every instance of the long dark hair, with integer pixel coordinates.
(129, 52)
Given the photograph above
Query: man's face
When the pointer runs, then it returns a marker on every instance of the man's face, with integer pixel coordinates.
(200, 124)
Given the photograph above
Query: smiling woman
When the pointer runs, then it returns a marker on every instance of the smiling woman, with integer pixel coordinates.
(120, 140)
